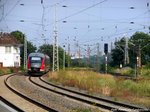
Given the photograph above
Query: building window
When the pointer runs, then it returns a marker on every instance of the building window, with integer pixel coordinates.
(16, 50)
(7, 49)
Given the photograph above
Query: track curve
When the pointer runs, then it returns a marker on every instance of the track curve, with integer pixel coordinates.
(26, 97)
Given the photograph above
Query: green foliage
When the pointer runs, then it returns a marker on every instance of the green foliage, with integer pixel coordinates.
(30, 47)
(1, 72)
(6, 71)
(147, 66)
(9, 71)
(118, 53)
(137, 42)
(109, 68)
(145, 72)
(19, 36)
(124, 71)
(140, 40)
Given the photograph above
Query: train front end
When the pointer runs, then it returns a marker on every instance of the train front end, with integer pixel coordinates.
(36, 64)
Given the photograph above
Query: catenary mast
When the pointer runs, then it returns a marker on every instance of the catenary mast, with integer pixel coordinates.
(55, 45)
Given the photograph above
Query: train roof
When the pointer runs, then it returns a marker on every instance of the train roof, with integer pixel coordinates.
(38, 54)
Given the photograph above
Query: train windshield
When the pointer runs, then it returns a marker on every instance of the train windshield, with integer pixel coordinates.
(36, 59)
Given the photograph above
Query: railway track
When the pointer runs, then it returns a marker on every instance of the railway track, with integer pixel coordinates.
(26, 97)
(85, 98)
(11, 105)
(101, 103)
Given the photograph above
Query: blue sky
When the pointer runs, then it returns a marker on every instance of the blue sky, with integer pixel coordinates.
(86, 21)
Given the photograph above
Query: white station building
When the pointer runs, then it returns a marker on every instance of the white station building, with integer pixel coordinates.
(9, 51)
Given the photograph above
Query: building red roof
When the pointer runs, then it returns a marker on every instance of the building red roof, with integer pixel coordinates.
(8, 39)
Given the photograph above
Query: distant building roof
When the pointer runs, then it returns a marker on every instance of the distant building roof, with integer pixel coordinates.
(8, 39)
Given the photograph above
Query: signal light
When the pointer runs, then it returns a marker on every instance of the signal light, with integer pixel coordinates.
(105, 48)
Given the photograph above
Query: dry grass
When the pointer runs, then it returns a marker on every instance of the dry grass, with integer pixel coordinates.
(86, 80)
(103, 84)
(5, 71)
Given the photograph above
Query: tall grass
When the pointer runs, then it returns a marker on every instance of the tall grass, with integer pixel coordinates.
(86, 80)
(5, 71)
(103, 84)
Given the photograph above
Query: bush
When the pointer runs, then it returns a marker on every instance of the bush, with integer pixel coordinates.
(145, 73)
(8, 70)
(126, 71)
(1, 72)
(4, 70)
(147, 66)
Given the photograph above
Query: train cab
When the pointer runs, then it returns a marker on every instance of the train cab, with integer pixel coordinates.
(38, 63)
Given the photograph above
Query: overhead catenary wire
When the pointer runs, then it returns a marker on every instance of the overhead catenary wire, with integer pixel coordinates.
(90, 22)
(121, 33)
(2, 7)
(12, 8)
(3, 18)
(76, 13)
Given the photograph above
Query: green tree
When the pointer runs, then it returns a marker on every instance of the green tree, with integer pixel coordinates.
(19, 36)
(30, 47)
(140, 43)
(117, 53)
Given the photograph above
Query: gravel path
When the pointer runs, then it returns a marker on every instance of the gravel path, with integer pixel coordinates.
(57, 102)
(17, 100)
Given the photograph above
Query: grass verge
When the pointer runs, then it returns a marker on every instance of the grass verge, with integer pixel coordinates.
(136, 92)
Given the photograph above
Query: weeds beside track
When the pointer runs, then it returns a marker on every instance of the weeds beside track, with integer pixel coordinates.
(92, 100)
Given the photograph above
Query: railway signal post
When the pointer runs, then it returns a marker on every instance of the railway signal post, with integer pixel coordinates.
(106, 52)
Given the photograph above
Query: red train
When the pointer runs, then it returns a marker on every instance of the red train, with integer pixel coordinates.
(38, 63)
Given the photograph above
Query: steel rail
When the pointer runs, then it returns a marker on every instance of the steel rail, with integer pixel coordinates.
(10, 104)
(5, 101)
(26, 97)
